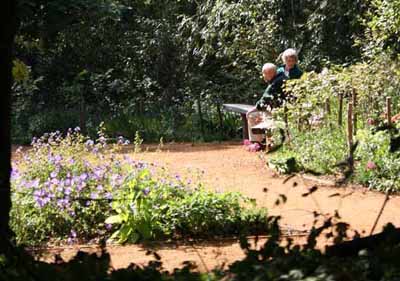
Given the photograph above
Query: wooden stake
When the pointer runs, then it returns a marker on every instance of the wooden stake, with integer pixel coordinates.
(327, 106)
(389, 110)
(285, 110)
(354, 111)
(299, 127)
(350, 132)
(245, 127)
(327, 110)
(340, 115)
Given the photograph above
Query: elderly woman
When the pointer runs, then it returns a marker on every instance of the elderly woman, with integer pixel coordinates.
(290, 68)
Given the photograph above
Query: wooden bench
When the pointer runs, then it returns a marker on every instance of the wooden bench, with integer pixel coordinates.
(242, 110)
(264, 127)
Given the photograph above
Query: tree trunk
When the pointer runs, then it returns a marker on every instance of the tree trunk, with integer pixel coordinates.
(200, 112)
(221, 121)
(7, 32)
(82, 115)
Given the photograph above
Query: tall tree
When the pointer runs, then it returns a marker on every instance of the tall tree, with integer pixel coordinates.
(7, 32)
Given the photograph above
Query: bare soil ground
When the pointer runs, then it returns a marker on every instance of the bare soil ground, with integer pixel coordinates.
(229, 167)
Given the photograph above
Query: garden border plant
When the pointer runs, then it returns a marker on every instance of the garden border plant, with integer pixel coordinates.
(73, 189)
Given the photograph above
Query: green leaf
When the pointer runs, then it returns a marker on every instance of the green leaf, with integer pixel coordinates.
(117, 219)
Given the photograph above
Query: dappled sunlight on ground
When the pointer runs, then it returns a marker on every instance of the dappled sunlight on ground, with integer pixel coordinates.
(229, 167)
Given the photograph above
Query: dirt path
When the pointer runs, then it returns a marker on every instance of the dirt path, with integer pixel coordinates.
(228, 167)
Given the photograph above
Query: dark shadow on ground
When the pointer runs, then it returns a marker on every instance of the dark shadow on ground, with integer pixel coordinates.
(182, 147)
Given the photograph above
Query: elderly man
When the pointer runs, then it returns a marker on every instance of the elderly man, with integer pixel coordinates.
(273, 97)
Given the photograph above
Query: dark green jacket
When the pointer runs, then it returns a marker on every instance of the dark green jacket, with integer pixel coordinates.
(294, 73)
(273, 96)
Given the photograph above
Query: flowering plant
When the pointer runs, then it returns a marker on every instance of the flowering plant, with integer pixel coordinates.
(77, 190)
(63, 187)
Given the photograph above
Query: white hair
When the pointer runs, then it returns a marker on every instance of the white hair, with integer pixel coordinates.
(289, 53)
(269, 66)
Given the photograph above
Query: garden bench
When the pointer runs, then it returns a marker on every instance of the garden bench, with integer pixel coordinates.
(242, 109)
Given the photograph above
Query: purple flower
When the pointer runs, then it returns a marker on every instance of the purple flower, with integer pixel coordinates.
(83, 177)
(100, 187)
(58, 158)
(98, 173)
(68, 191)
(146, 191)
(140, 165)
(108, 226)
(89, 143)
(14, 173)
(108, 196)
(93, 195)
(77, 129)
(116, 180)
(62, 202)
(67, 182)
(40, 202)
(55, 181)
(41, 198)
(73, 233)
(81, 186)
(35, 183)
(53, 174)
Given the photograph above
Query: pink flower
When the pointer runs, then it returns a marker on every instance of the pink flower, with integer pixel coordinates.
(370, 121)
(371, 165)
(254, 147)
(246, 142)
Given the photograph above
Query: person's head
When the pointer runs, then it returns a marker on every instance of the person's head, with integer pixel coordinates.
(290, 58)
(269, 71)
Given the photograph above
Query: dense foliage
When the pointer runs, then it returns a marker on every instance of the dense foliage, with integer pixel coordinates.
(315, 151)
(164, 68)
(73, 189)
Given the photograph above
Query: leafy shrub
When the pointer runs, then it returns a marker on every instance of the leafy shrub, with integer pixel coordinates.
(284, 162)
(316, 150)
(73, 188)
(164, 209)
(311, 92)
(378, 167)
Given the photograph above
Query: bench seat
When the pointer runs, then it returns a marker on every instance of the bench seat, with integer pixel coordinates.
(242, 109)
